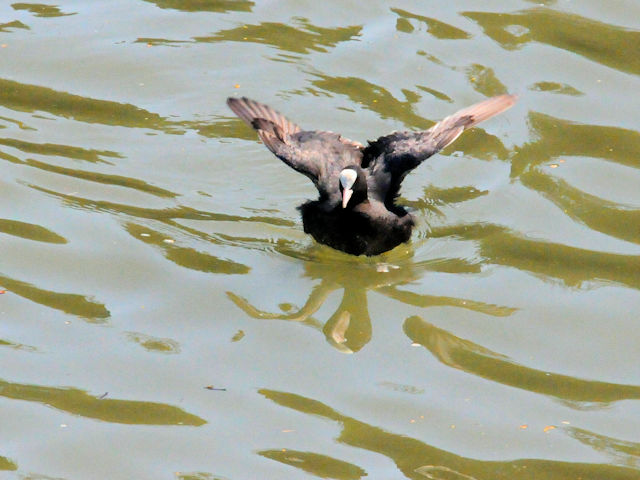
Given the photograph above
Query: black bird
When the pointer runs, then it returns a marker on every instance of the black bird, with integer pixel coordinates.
(358, 184)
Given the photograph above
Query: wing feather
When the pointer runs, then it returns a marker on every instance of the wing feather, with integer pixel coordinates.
(318, 155)
(392, 156)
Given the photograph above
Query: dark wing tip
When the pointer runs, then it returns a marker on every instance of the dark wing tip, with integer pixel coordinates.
(248, 110)
(262, 124)
(233, 102)
(243, 108)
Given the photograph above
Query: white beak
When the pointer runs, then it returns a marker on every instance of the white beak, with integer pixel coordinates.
(347, 179)
(346, 195)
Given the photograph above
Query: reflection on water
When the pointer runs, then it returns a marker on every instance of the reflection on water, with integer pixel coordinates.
(435, 27)
(198, 476)
(6, 464)
(612, 46)
(71, 303)
(7, 27)
(375, 98)
(221, 6)
(301, 37)
(574, 266)
(78, 402)
(321, 466)
(484, 80)
(183, 256)
(598, 214)
(31, 98)
(381, 101)
(164, 214)
(64, 151)
(154, 344)
(17, 346)
(435, 197)
(29, 231)
(40, 10)
(75, 117)
(106, 179)
(349, 328)
(621, 452)
(416, 459)
(555, 137)
(556, 87)
(477, 360)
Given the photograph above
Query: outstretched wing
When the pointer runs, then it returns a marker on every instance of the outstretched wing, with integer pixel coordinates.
(248, 110)
(318, 155)
(391, 157)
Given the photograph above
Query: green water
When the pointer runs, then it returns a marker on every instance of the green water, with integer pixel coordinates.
(164, 315)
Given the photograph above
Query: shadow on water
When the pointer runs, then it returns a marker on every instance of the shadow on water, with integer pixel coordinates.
(80, 403)
(472, 358)
(615, 47)
(418, 460)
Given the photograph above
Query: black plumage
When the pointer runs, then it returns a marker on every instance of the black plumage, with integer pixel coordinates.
(358, 185)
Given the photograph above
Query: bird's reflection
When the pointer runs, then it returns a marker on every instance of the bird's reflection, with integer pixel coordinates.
(349, 328)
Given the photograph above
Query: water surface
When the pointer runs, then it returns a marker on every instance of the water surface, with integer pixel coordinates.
(163, 315)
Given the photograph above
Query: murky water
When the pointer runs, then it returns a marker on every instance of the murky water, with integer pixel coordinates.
(163, 314)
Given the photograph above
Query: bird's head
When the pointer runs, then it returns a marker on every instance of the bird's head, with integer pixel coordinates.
(353, 186)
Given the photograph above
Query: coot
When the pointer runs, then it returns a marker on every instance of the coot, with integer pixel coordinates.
(358, 185)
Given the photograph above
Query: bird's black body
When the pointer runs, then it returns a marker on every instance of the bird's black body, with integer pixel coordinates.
(358, 185)
(365, 229)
